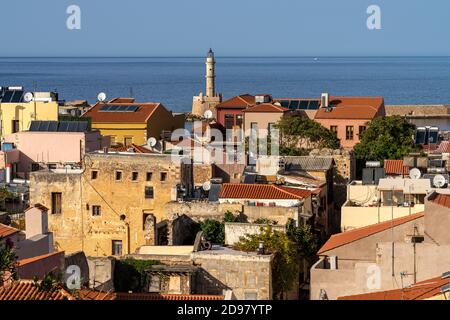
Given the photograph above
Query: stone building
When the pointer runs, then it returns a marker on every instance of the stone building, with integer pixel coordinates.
(208, 101)
(111, 205)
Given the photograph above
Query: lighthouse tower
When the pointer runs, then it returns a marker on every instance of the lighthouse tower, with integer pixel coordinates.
(210, 99)
(210, 74)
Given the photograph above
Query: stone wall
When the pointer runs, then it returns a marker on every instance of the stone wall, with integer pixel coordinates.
(200, 210)
(234, 231)
(101, 273)
(248, 275)
(418, 110)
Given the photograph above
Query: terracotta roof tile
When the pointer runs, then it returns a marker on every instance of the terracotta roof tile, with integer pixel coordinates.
(444, 147)
(261, 191)
(26, 290)
(38, 206)
(440, 199)
(238, 102)
(347, 237)
(145, 110)
(395, 167)
(95, 295)
(6, 231)
(365, 108)
(419, 291)
(38, 258)
(266, 107)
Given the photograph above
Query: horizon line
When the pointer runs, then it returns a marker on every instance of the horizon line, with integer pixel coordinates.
(233, 56)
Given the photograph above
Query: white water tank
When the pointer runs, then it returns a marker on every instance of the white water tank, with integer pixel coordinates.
(325, 100)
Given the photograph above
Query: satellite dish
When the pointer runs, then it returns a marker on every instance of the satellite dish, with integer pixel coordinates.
(415, 173)
(206, 186)
(208, 114)
(28, 97)
(439, 181)
(152, 142)
(277, 104)
(101, 96)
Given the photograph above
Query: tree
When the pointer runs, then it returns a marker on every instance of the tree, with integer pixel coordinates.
(285, 264)
(303, 238)
(8, 260)
(386, 138)
(299, 134)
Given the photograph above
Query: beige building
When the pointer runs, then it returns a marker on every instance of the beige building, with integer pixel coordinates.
(111, 205)
(262, 117)
(208, 101)
(389, 255)
(390, 198)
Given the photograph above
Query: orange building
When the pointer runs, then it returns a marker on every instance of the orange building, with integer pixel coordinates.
(348, 116)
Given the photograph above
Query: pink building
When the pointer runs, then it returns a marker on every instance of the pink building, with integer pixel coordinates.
(348, 116)
(229, 113)
(48, 146)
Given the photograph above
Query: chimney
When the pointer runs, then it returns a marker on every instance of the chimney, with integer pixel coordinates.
(325, 100)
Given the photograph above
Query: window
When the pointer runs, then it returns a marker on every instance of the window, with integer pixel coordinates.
(361, 130)
(96, 210)
(118, 175)
(15, 126)
(35, 166)
(51, 166)
(334, 129)
(349, 132)
(148, 192)
(94, 174)
(271, 127)
(239, 120)
(134, 176)
(127, 141)
(117, 247)
(56, 203)
(229, 121)
(148, 177)
(163, 176)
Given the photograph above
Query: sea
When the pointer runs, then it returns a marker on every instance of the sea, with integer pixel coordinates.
(174, 80)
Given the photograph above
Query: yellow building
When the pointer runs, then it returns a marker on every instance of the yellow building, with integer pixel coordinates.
(127, 122)
(16, 114)
(111, 205)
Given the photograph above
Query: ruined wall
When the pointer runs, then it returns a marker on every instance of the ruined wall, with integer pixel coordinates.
(234, 231)
(417, 110)
(248, 275)
(201, 210)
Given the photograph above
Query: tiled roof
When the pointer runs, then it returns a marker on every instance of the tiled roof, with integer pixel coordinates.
(308, 163)
(365, 108)
(38, 206)
(395, 167)
(347, 237)
(266, 107)
(143, 113)
(134, 147)
(418, 291)
(6, 231)
(95, 295)
(440, 199)
(444, 147)
(27, 290)
(238, 102)
(261, 191)
(38, 258)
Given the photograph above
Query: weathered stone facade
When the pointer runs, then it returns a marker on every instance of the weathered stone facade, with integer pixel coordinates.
(123, 210)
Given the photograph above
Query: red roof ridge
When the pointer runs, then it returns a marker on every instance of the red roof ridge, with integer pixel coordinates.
(6, 231)
(37, 258)
(364, 232)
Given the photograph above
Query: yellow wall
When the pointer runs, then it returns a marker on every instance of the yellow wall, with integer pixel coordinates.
(138, 131)
(24, 113)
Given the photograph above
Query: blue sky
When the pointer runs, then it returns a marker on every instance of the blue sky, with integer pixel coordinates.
(232, 27)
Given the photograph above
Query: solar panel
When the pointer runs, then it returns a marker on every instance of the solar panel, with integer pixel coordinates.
(7, 96)
(213, 194)
(17, 96)
(284, 103)
(73, 126)
(63, 126)
(113, 108)
(82, 126)
(132, 108)
(304, 104)
(34, 126)
(53, 126)
(105, 108)
(313, 105)
(44, 126)
(294, 104)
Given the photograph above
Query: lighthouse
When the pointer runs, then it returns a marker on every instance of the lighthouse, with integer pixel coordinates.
(210, 99)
